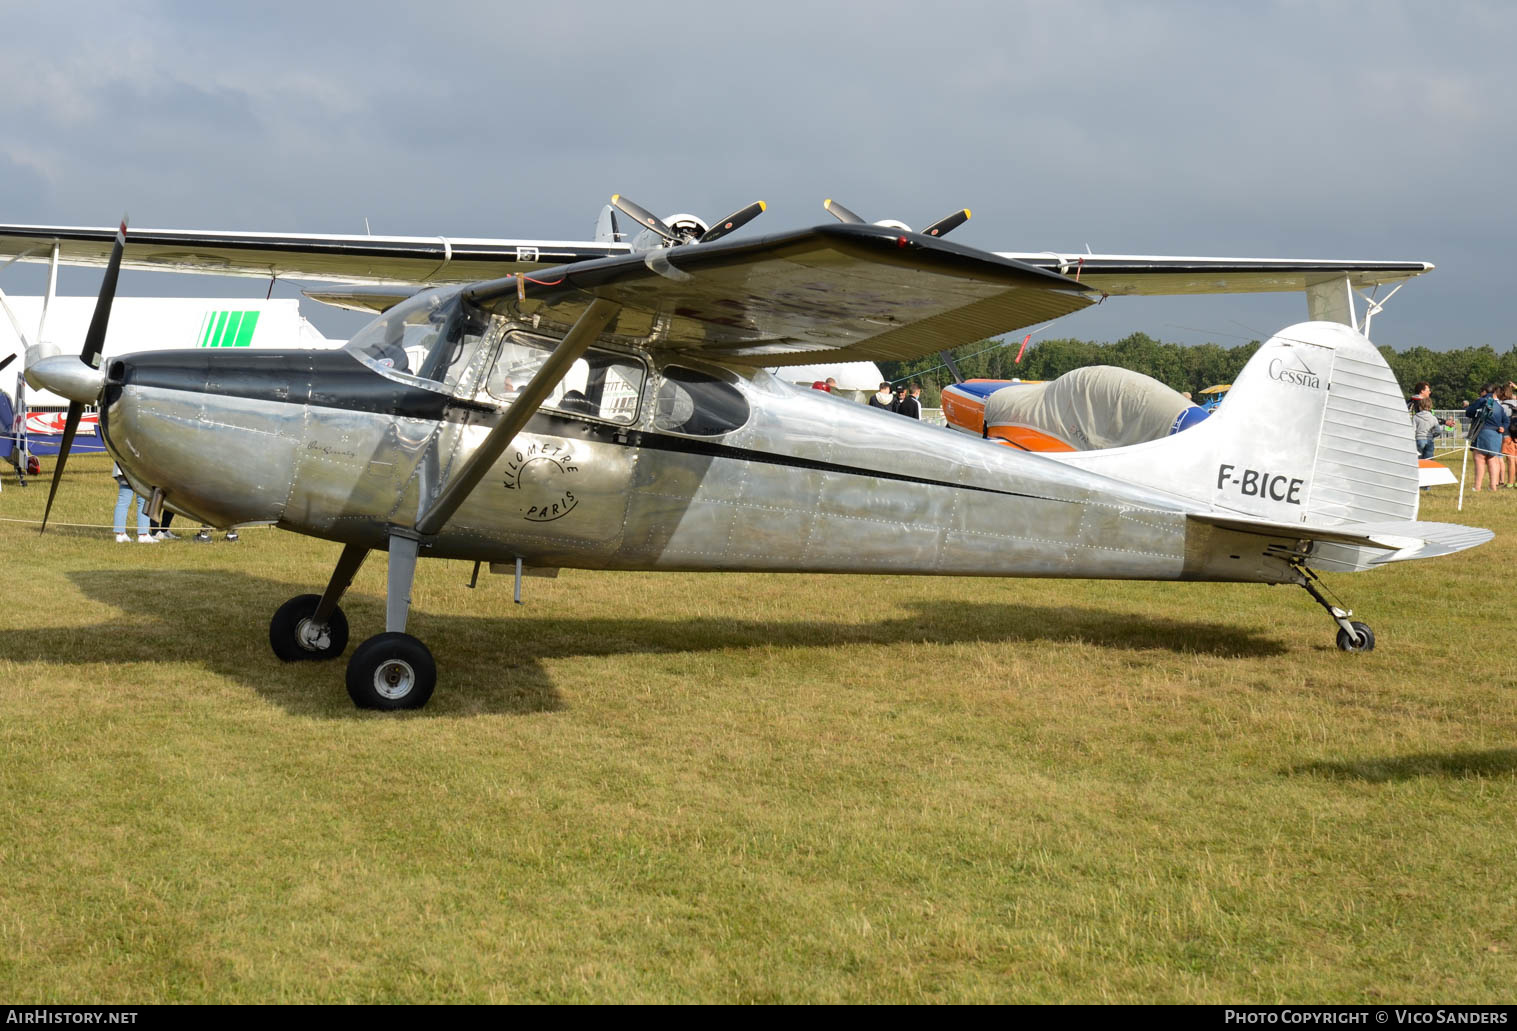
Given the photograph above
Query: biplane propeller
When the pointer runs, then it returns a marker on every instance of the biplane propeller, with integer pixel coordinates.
(942, 227)
(683, 229)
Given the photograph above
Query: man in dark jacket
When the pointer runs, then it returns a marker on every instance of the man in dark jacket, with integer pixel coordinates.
(910, 405)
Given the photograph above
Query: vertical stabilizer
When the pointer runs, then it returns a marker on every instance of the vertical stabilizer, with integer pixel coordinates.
(1314, 431)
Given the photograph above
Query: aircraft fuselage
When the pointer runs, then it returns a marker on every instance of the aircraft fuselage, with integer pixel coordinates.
(320, 443)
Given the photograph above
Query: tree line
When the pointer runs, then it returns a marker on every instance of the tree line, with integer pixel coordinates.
(1456, 376)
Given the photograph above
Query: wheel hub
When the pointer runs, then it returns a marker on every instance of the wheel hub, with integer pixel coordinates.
(394, 678)
(313, 637)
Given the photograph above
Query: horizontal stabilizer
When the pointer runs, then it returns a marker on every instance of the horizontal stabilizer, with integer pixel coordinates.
(1294, 531)
(1435, 538)
(1355, 546)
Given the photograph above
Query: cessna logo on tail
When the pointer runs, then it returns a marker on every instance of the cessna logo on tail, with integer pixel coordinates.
(1293, 370)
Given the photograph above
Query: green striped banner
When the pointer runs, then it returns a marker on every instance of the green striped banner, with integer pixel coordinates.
(228, 328)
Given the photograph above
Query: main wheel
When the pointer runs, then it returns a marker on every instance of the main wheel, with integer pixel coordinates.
(391, 671)
(1366, 642)
(294, 637)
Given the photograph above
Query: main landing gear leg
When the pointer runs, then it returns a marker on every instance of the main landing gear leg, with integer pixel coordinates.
(309, 626)
(394, 670)
(1352, 636)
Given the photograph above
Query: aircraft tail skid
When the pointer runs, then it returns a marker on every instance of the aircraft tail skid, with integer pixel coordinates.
(1313, 434)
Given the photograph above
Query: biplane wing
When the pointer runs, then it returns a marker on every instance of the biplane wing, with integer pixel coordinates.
(437, 260)
(829, 293)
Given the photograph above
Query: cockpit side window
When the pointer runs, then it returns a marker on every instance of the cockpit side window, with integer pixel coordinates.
(431, 340)
(697, 403)
(601, 384)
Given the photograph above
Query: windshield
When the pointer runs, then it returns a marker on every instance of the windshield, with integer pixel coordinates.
(430, 339)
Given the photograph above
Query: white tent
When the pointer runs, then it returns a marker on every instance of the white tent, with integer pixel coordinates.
(856, 380)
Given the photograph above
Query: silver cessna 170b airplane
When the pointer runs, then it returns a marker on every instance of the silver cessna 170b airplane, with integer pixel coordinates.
(606, 406)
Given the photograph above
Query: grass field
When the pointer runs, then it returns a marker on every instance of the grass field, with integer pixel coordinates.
(644, 787)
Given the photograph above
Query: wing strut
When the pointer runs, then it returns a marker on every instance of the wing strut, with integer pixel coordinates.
(586, 328)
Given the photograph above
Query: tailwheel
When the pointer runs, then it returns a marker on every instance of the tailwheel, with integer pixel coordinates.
(1352, 636)
(391, 671)
(1364, 643)
(295, 636)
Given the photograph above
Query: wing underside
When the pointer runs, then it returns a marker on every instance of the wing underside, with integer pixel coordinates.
(1152, 275)
(440, 260)
(305, 256)
(834, 293)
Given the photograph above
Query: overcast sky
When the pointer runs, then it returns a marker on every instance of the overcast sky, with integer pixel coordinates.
(1378, 130)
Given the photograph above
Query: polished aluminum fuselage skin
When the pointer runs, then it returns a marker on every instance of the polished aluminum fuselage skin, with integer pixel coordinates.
(808, 483)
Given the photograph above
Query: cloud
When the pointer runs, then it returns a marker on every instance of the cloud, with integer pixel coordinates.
(1345, 130)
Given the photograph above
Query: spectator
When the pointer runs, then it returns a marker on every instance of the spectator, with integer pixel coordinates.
(160, 527)
(124, 497)
(1488, 427)
(883, 399)
(832, 385)
(1422, 391)
(1507, 396)
(910, 404)
(1424, 428)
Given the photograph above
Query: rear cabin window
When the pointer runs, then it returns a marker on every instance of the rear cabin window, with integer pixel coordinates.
(697, 403)
(600, 384)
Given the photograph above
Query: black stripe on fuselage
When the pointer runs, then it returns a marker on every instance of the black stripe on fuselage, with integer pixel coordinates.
(325, 379)
(712, 449)
(335, 379)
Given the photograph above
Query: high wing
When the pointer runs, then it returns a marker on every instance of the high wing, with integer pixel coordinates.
(440, 260)
(1137, 274)
(834, 293)
(331, 259)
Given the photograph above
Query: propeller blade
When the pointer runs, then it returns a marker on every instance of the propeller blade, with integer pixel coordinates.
(645, 216)
(8, 359)
(94, 340)
(839, 212)
(75, 409)
(947, 224)
(736, 220)
(94, 343)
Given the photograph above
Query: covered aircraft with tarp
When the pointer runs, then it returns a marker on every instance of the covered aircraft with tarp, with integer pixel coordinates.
(1089, 409)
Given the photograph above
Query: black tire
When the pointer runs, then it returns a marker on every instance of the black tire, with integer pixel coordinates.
(1366, 642)
(294, 639)
(391, 671)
